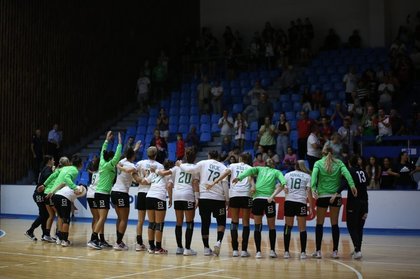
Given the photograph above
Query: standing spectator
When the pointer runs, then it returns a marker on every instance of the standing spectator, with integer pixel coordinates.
(204, 92)
(143, 88)
(336, 146)
(337, 117)
(384, 124)
(354, 40)
(387, 175)
(386, 85)
(369, 123)
(180, 147)
(283, 131)
(54, 142)
(350, 80)
(326, 130)
(255, 93)
(304, 129)
(226, 125)
(193, 140)
(162, 123)
(240, 126)
(404, 169)
(374, 171)
(160, 143)
(266, 133)
(347, 134)
(216, 98)
(313, 146)
(37, 148)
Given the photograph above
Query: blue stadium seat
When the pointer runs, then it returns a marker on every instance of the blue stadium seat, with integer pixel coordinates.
(293, 124)
(245, 83)
(194, 110)
(173, 111)
(290, 115)
(173, 121)
(150, 129)
(205, 137)
(173, 129)
(235, 84)
(323, 78)
(253, 126)
(284, 98)
(183, 119)
(184, 111)
(205, 128)
(235, 92)
(194, 120)
(172, 151)
(205, 118)
(153, 112)
(142, 121)
(286, 106)
(295, 98)
(314, 114)
(294, 139)
(215, 118)
(84, 179)
(215, 128)
(326, 87)
(152, 120)
(265, 82)
(183, 128)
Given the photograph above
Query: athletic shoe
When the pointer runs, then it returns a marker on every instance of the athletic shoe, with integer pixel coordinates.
(120, 247)
(189, 252)
(216, 250)
(104, 244)
(179, 251)
(258, 255)
(357, 255)
(94, 245)
(244, 254)
(235, 253)
(286, 255)
(208, 251)
(140, 247)
(303, 256)
(65, 243)
(31, 236)
(161, 251)
(48, 238)
(334, 254)
(58, 241)
(151, 251)
(317, 255)
(352, 253)
(273, 254)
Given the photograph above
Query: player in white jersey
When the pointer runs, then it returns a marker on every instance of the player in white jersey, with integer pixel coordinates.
(185, 196)
(212, 201)
(240, 199)
(298, 190)
(160, 186)
(143, 169)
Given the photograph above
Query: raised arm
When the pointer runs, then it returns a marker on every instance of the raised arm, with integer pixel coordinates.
(105, 145)
(117, 154)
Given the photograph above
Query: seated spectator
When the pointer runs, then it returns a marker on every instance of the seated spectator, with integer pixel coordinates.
(338, 116)
(373, 171)
(335, 144)
(326, 130)
(404, 169)
(226, 125)
(258, 161)
(318, 99)
(251, 113)
(235, 152)
(397, 123)
(288, 79)
(272, 155)
(261, 150)
(216, 98)
(290, 159)
(255, 93)
(387, 175)
(193, 140)
(369, 122)
(265, 108)
(306, 101)
(323, 114)
(350, 80)
(354, 40)
(384, 124)
(227, 146)
(230, 160)
(240, 127)
(180, 147)
(267, 135)
(162, 124)
(161, 145)
(204, 93)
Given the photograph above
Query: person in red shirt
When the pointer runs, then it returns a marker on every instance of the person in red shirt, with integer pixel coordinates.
(304, 129)
(180, 147)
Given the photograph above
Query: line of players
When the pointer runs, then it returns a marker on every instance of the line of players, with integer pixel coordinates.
(206, 185)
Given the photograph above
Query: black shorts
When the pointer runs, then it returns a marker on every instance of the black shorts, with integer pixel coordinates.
(39, 198)
(141, 201)
(120, 199)
(325, 202)
(155, 204)
(292, 209)
(63, 206)
(240, 202)
(49, 201)
(216, 207)
(102, 200)
(92, 203)
(261, 206)
(184, 205)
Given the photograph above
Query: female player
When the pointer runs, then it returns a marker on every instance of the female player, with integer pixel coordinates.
(38, 198)
(107, 171)
(185, 196)
(298, 190)
(239, 199)
(266, 189)
(143, 169)
(325, 182)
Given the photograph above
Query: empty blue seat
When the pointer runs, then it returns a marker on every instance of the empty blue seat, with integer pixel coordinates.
(153, 112)
(265, 82)
(294, 139)
(205, 118)
(183, 119)
(173, 129)
(194, 120)
(184, 128)
(235, 92)
(142, 121)
(205, 128)
(237, 108)
(326, 87)
(295, 98)
(172, 151)
(323, 79)
(173, 121)
(245, 83)
(215, 128)
(253, 126)
(194, 110)
(215, 118)
(184, 111)
(293, 124)
(286, 106)
(314, 114)
(284, 98)
(205, 137)
(290, 115)
(234, 84)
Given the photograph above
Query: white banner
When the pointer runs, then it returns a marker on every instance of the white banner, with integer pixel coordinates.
(387, 209)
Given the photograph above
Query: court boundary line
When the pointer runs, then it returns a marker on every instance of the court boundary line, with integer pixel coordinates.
(358, 274)
(201, 274)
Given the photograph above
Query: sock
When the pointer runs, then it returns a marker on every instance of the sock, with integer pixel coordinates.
(94, 236)
(139, 240)
(188, 234)
(234, 235)
(158, 245)
(319, 231)
(58, 234)
(206, 242)
(102, 237)
(220, 236)
(257, 238)
(47, 232)
(64, 236)
(286, 235)
(178, 235)
(119, 237)
(152, 244)
(245, 238)
(335, 236)
(272, 236)
(303, 237)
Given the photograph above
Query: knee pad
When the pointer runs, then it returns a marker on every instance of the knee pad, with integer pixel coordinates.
(190, 225)
(234, 226)
(159, 226)
(66, 220)
(152, 226)
(221, 220)
(258, 227)
(287, 229)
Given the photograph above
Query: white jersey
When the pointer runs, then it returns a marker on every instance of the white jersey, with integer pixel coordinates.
(209, 171)
(92, 187)
(183, 184)
(146, 165)
(67, 192)
(157, 186)
(297, 184)
(241, 188)
(124, 179)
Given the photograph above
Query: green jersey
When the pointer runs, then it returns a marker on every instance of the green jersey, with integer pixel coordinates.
(327, 184)
(266, 180)
(50, 182)
(67, 176)
(107, 170)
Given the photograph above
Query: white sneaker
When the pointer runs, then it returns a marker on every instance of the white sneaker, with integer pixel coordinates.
(216, 250)
(208, 251)
(189, 252)
(357, 255)
(47, 238)
(58, 241)
(150, 250)
(334, 254)
(273, 254)
(258, 255)
(317, 255)
(303, 256)
(141, 247)
(286, 255)
(120, 247)
(65, 243)
(179, 251)
(244, 254)
(94, 245)
(235, 253)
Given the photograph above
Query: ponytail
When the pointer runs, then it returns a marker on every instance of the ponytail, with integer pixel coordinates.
(329, 160)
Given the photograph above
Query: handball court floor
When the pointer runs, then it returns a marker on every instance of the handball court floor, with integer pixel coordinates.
(384, 256)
